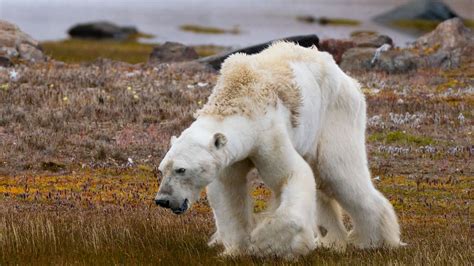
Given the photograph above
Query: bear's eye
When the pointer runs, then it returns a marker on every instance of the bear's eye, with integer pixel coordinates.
(180, 171)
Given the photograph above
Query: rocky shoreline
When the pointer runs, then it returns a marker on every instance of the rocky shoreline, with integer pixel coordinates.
(450, 45)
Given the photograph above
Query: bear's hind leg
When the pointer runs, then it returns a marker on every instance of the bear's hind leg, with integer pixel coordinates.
(330, 229)
(342, 164)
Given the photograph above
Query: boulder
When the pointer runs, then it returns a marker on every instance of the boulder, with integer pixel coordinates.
(367, 58)
(172, 52)
(15, 45)
(370, 39)
(336, 47)
(418, 10)
(215, 61)
(448, 46)
(101, 30)
(30, 52)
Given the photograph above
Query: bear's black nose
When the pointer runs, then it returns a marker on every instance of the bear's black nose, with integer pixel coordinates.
(163, 203)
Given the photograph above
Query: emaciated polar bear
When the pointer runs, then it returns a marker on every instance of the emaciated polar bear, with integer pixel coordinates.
(294, 115)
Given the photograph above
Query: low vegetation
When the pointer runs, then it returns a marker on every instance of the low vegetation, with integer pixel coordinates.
(86, 50)
(208, 30)
(423, 25)
(79, 144)
(108, 216)
(328, 21)
(83, 50)
(400, 137)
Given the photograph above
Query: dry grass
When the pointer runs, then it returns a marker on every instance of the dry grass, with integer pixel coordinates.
(96, 114)
(70, 195)
(105, 217)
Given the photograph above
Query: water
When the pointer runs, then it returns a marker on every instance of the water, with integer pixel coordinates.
(258, 20)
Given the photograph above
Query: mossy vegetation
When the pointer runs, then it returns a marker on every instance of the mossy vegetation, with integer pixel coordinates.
(358, 33)
(207, 50)
(423, 25)
(401, 137)
(87, 50)
(140, 35)
(82, 50)
(469, 23)
(328, 21)
(208, 30)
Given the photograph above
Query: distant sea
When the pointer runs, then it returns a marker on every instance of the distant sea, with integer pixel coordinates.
(258, 20)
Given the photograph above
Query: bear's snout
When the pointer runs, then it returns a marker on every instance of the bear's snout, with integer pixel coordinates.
(175, 206)
(181, 208)
(163, 203)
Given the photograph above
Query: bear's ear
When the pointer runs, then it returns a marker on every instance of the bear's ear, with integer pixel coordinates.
(173, 140)
(219, 140)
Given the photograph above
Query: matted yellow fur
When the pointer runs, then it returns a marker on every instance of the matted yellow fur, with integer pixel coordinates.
(248, 84)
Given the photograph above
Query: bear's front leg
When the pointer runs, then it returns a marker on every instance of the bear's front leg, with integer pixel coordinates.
(232, 206)
(282, 235)
(288, 231)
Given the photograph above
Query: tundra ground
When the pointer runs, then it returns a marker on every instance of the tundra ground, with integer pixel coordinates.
(79, 143)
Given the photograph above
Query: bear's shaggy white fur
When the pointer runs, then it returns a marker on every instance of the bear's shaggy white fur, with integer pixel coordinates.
(291, 113)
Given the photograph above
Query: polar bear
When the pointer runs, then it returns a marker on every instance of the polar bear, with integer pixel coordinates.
(295, 116)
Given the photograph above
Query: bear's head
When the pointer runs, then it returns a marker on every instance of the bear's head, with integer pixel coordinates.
(192, 163)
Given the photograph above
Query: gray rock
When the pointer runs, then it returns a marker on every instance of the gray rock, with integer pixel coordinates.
(357, 58)
(101, 30)
(30, 52)
(172, 52)
(396, 61)
(450, 34)
(337, 47)
(448, 46)
(365, 39)
(392, 61)
(15, 46)
(418, 9)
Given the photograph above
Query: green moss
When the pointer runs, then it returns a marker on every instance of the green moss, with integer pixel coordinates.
(400, 137)
(358, 33)
(417, 24)
(207, 50)
(423, 24)
(140, 35)
(207, 30)
(469, 23)
(338, 21)
(328, 21)
(82, 50)
(79, 50)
